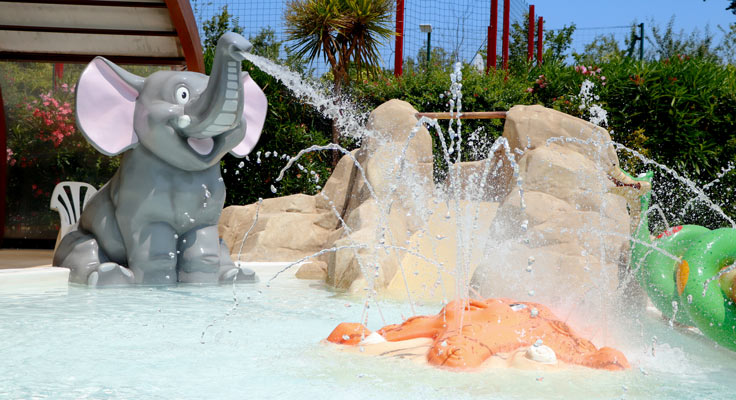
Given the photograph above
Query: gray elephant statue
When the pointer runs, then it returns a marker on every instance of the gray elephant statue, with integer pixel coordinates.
(155, 221)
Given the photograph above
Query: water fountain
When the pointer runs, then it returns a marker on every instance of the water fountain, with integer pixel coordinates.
(396, 246)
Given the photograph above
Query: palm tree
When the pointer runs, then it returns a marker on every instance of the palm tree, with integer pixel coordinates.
(346, 33)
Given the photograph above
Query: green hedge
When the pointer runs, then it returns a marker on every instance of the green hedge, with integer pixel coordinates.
(290, 126)
(678, 112)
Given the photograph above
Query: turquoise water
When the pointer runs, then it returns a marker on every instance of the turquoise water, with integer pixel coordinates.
(148, 343)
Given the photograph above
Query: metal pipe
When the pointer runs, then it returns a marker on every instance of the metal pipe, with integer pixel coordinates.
(530, 41)
(465, 115)
(399, 53)
(429, 47)
(641, 41)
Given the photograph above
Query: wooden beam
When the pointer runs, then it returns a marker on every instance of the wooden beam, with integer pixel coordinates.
(106, 3)
(186, 26)
(86, 17)
(83, 43)
(89, 31)
(465, 115)
(85, 58)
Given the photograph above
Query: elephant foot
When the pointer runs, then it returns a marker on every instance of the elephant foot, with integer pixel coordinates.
(110, 274)
(240, 274)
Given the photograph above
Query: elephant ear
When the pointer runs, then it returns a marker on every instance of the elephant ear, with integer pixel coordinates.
(106, 96)
(254, 113)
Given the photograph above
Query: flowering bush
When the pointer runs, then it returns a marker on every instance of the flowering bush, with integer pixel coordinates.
(45, 148)
(52, 115)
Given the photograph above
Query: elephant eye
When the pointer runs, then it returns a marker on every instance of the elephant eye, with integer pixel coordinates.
(182, 95)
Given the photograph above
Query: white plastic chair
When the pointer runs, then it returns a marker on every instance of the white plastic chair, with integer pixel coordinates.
(69, 199)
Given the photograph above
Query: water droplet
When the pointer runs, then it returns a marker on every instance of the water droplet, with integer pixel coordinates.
(172, 255)
(345, 337)
(273, 189)
(534, 312)
(268, 154)
(531, 293)
(241, 164)
(538, 343)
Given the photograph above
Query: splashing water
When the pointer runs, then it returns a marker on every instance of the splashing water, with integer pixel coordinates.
(468, 238)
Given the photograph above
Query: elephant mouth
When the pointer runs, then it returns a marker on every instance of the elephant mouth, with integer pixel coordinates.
(201, 146)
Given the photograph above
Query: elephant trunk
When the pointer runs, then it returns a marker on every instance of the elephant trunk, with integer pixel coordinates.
(220, 106)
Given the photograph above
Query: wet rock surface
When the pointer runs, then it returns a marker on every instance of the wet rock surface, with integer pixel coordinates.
(398, 233)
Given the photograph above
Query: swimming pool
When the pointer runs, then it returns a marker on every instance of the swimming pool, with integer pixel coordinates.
(195, 342)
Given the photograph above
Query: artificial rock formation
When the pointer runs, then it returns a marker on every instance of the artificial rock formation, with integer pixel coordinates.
(379, 206)
(398, 235)
(565, 241)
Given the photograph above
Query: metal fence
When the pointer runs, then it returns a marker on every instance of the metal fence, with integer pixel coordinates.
(459, 27)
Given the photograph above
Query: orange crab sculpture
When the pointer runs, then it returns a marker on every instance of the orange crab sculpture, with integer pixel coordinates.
(466, 333)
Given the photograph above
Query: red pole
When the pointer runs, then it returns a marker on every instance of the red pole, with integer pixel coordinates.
(492, 33)
(505, 39)
(540, 41)
(399, 54)
(530, 42)
(58, 74)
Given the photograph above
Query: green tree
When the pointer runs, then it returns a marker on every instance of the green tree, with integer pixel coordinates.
(556, 44)
(666, 43)
(603, 49)
(346, 33)
(289, 127)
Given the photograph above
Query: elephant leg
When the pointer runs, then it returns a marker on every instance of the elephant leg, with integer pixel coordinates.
(199, 258)
(152, 253)
(228, 269)
(88, 263)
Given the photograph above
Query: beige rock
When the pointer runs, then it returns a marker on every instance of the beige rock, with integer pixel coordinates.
(565, 174)
(335, 192)
(571, 228)
(376, 265)
(429, 272)
(394, 120)
(314, 270)
(530, 127)
(469, 175)
(287, 229)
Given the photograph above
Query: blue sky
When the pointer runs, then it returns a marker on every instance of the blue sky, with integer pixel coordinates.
(470, 18)
(689, 14)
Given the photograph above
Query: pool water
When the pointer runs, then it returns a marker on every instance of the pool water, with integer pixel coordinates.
(193, 342)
